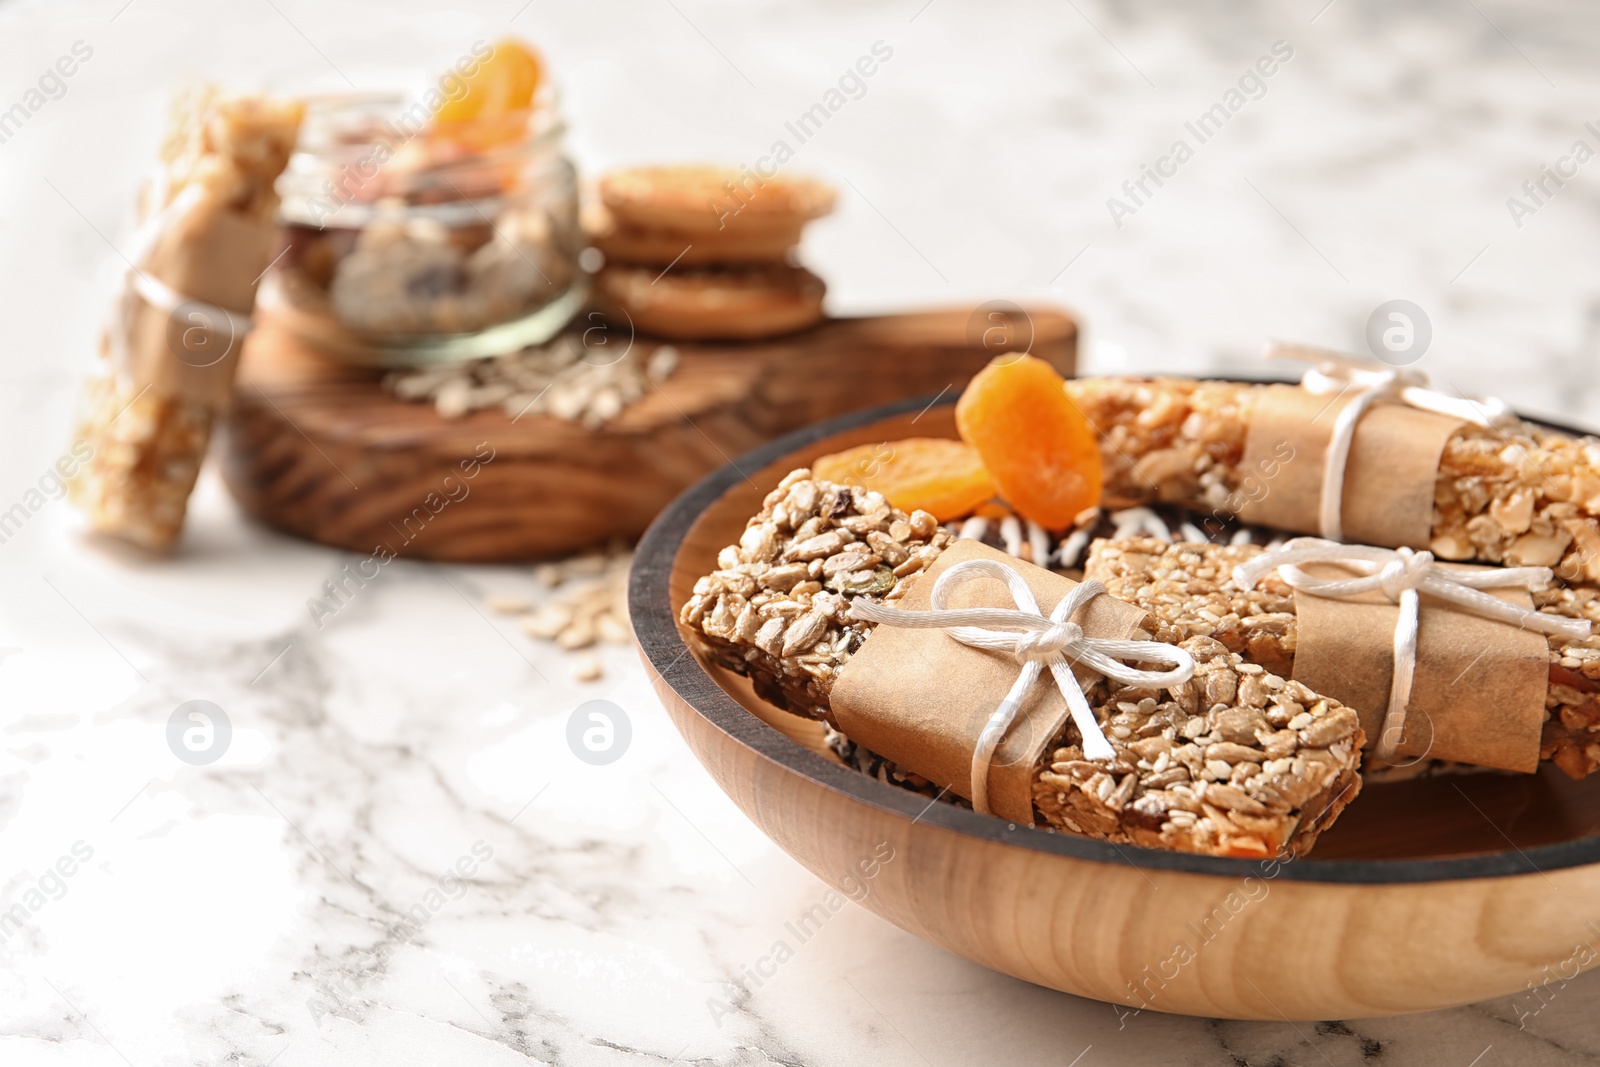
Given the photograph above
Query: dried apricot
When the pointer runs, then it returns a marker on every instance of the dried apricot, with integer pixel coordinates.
(1035, 443)
(942, 477)
(492, 109)
(502, 84)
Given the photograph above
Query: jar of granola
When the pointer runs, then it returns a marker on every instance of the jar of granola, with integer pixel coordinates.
(413, 242)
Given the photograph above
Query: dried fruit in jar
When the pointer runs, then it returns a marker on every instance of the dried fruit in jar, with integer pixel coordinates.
(503, 83)
(492, 108)
(945, 478)
(1037, 446)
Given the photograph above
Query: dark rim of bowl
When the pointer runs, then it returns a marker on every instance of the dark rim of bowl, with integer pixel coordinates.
(655, 622)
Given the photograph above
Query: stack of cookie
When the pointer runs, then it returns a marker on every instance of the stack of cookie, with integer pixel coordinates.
(700, 253)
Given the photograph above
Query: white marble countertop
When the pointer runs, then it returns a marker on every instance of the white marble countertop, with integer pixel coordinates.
(245, 912)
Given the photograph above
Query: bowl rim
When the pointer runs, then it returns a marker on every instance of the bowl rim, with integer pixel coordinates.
(668, 655)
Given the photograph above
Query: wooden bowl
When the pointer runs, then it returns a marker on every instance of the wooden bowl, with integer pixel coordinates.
(1426, 894)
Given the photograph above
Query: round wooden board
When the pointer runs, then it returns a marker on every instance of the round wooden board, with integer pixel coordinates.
(320, 450)
(1426, 894)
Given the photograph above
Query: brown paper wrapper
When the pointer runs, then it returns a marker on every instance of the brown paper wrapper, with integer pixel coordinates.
(1389, 479)
(213, 254)
(1478, 695)
(921, 698)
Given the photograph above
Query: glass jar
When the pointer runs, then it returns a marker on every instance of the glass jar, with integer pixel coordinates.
(406, 247)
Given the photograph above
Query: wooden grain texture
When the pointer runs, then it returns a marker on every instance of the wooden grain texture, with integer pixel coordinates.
(317, 449)
(1426, 894)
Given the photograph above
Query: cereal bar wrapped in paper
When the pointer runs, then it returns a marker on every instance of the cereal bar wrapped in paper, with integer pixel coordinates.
(832, 604)
(1358, 452)
(207, 224)
(1504, 691)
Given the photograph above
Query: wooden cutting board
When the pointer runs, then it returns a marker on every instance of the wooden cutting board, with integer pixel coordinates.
(319, 449)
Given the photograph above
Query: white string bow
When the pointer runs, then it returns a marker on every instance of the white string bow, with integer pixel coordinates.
(1036, 641)
(1401, 575)
(1371, 383)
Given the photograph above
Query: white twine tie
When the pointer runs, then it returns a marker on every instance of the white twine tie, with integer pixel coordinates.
(1035, 641)
(1401, 575)
(1370, 383)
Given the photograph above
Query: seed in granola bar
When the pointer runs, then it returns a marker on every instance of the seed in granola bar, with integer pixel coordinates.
(1229, 752)
(820, 546)
(854, 558)
(803, 633)
(1238, 725)
(1234, 799)
(770, 637)
(1333, 726)
(759, 544)
(783, 577)
(1221, 687)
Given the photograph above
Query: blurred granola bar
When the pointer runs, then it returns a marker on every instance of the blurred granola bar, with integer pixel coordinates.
(207, 226)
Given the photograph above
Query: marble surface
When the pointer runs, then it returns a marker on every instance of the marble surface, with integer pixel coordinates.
(253, 911)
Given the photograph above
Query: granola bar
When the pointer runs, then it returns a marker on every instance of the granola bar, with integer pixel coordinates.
(776, 608)
(147, 454)
(1236, 761)
(1519, 495)
(1189, 590)
(149, 413)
